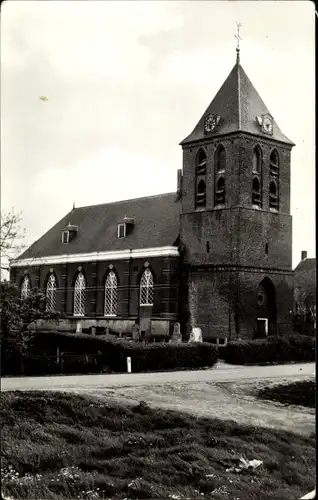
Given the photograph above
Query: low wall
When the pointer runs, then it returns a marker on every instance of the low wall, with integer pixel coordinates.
(122, 326)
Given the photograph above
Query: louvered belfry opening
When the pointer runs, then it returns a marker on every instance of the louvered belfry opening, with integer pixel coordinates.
(274, 181)
(257, 196)
(200, 179)
(219, 177)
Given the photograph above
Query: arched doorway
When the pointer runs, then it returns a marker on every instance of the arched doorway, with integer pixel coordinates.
(266, 315)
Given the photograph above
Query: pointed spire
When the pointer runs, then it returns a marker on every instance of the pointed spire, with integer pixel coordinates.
(238, 38)
(73, 205)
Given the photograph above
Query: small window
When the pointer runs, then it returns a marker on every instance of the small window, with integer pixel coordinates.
(121, 231)
(266, 249)
(65, 236)
(207, 247)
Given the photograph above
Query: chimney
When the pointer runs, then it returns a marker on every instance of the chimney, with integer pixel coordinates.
(303, 255)
(179, 181)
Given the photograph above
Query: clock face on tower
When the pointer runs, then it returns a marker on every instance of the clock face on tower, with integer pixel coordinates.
(266, 122)
(211, 122)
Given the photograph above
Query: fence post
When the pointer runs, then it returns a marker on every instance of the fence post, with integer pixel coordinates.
(128, 365)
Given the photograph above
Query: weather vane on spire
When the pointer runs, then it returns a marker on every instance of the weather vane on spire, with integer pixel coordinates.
(238, 38)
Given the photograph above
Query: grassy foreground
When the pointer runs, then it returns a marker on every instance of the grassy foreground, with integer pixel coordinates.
(296, 393)
(64, 446)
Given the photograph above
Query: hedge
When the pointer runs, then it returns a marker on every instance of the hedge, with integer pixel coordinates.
(301, 393)
(271, 350)
(83, 353)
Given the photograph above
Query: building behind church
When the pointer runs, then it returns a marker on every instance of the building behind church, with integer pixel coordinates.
(216, 254)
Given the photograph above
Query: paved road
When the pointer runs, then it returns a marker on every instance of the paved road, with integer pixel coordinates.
(220, 373)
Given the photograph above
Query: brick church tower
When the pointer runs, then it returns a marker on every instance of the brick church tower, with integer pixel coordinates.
(236, 227)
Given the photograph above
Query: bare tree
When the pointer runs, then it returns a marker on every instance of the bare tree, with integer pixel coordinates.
(11, 237)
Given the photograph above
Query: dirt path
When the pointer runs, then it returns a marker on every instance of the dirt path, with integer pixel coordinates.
(226, 400)
(226, 392)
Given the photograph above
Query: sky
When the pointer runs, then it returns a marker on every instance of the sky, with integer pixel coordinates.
(125, 82)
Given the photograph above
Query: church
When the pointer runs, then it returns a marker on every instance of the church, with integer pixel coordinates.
(216, 254)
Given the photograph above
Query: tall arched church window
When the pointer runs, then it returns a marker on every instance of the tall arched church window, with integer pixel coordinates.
(257, 196)
(219, 180)
(79, 295)
(51, 294)
(146, 288)
(200, 179)
(110, 306)
(25, 287)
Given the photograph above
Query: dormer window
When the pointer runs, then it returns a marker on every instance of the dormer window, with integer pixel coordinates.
(121, 230)
(65, 236)
(69, 233)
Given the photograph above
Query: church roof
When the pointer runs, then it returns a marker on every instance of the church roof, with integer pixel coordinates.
(305, 265)
(156, 224)
(238, 104)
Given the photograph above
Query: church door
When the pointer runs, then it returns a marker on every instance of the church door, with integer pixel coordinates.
(266, 309)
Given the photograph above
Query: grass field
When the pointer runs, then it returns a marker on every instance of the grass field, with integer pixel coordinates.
(64, 446)
(296, 393)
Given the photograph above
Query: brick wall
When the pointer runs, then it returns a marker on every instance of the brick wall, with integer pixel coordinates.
(166, 275)
(249, 243)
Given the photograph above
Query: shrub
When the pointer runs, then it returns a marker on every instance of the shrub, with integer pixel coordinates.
(296, 393)
(270, 350)
(93, 354)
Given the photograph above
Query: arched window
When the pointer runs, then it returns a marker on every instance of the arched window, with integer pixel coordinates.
(201, 163)
(220, 159)
(220, 192)
(79, 295)
(146, 288)
(51, 294)
(274, 163)
(200, 179)
(110, 306)
(273, 196)
(256, 193)
(257, 160)
(25, 287)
